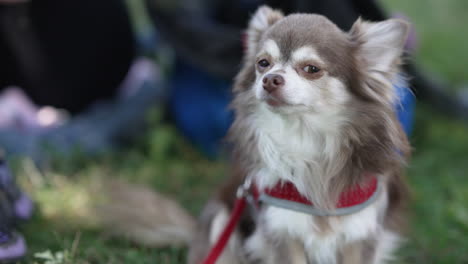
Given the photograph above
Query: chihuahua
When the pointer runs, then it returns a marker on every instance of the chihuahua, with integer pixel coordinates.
(315, 134)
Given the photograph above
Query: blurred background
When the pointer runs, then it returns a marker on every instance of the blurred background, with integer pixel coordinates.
(137, 90)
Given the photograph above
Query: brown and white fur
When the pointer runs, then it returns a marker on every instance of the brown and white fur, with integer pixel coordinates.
(322, 130)
(320, 114)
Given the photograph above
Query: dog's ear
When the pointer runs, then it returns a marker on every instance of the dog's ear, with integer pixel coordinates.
(263, 18)
(380, 46)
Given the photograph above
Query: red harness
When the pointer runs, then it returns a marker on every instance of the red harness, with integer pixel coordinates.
(285, 191)
(356, 195)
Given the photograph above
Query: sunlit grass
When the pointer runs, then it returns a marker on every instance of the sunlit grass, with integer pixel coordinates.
(67, 197)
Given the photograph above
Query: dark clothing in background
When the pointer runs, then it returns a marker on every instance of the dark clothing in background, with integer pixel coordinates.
(207, 33)
(65, 53)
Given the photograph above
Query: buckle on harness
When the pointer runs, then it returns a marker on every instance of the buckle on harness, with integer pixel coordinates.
(244, 191)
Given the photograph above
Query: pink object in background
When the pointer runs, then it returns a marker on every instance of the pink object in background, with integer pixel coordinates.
(141, 70)
(17, 111)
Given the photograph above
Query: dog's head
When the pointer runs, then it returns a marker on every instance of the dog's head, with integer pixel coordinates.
(304, 62)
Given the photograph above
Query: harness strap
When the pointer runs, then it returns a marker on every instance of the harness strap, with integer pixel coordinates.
(310, 209)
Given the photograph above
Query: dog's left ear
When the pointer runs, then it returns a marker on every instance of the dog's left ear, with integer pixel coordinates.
(263, 19)
(380, 46)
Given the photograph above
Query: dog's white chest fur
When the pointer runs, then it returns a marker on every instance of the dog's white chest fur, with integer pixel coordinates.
(284, 143)
(296, 152)
(299, 150)
(321, 245)
(310, 239)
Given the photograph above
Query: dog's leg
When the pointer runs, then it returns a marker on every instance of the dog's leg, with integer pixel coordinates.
(387, 243)
(199, 246)
(256, 248)
(352, 254)
(230, 253)
(375, 250)
(359, 252)
(265, 249)
(210, 225)
(297, 253)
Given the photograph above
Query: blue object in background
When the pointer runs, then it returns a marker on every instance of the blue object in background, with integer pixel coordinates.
(199, 104)
(405, 106)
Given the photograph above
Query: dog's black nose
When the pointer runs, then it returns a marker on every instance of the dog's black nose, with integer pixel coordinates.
(271, 82)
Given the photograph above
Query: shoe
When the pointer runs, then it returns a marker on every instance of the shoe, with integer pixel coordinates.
(12, 246)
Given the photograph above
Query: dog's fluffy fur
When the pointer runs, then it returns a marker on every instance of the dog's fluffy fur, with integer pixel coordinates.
(324, 130)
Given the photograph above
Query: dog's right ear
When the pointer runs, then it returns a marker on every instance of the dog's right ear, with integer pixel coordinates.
(263, 19)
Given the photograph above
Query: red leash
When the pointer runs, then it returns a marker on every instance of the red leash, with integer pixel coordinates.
(218, 248)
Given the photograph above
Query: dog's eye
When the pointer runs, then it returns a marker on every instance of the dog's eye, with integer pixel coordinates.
(263, 63)
(311, 69)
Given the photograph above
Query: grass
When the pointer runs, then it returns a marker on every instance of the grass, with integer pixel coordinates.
(437, 175)
(64, 229)
(65, 222)
(441, 27)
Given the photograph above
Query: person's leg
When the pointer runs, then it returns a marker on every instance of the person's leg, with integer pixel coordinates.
(21, 204)
(8, 65)
(12, 244)
(89, 46)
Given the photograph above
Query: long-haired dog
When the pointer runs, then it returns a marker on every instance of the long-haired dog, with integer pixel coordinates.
(314, 116)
